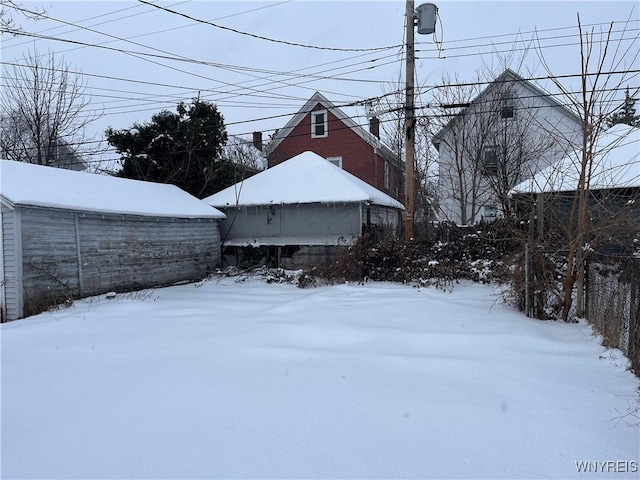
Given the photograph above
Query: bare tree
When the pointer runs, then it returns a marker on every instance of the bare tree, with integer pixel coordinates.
(460, 136)
(44, 111)
(7, 10)
(603, 76)
(389, 108)
(491, 139)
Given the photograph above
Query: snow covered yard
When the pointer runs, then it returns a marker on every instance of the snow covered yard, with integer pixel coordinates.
(226, 379)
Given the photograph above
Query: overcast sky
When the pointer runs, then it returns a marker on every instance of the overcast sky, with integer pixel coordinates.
(138, 59)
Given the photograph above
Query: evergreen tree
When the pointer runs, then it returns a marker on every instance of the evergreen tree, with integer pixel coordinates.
(626, 114)
(183, 148)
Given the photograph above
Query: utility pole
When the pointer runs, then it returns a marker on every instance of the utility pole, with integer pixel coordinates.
(426, 21)
(409, 127)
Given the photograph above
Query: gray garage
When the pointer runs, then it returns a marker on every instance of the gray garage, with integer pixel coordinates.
(301, 213)
(70, 234)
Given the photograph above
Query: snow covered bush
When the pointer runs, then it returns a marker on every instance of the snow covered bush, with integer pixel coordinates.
(447, 256)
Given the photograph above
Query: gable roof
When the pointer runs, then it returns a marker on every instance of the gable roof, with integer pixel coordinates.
(305, 178)
(505, 77)
(26, 184)
(318, 98)
(616, 165)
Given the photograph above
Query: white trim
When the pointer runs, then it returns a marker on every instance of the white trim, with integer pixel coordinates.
(19, 262)
(315, 124)
(12, 277)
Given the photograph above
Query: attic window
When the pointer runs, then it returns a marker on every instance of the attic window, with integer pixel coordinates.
(507, 107)
(319, 124)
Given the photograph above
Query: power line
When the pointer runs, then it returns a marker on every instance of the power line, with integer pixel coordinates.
(555, 29)
(101, 16)
(369, 65)
(510, 50)
(260, 37)
(312, 76)
(144, 13)
(138, 55)
(181, 59)
(334, 129)
(158, 108)
(493, 44)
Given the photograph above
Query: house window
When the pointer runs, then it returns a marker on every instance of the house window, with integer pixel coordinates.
(490, 165)
(387, 174)
(319, 124)
(337, 161)
(507, 107)
(490, 212)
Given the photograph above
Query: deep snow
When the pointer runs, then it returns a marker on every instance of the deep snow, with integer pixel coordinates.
(305, 178)
(36, 185)
(243, 379)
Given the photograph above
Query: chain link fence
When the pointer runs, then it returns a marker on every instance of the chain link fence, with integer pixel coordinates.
(613, 302)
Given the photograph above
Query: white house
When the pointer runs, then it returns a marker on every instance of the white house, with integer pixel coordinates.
(509, 132)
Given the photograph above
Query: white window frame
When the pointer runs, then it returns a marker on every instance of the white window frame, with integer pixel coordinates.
(314, 114)
(337, 161)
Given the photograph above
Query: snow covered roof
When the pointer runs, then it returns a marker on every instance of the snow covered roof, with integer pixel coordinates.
(27, 184)
(616, 165)
(305, 178)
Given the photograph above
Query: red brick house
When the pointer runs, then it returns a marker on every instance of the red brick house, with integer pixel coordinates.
(324, 129)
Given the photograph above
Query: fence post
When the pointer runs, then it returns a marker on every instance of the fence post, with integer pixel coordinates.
(587, 285)
(634, 323)
(526, 281)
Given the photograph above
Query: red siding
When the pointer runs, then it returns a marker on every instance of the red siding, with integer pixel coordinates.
(358, 157)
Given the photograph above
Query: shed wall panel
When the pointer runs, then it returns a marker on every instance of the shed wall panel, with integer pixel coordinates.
(56, 249)
(49, 258)
(301, 221)
(126, 253)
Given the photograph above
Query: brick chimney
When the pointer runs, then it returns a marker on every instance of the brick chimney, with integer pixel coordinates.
(374, 126)
(257, 140)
